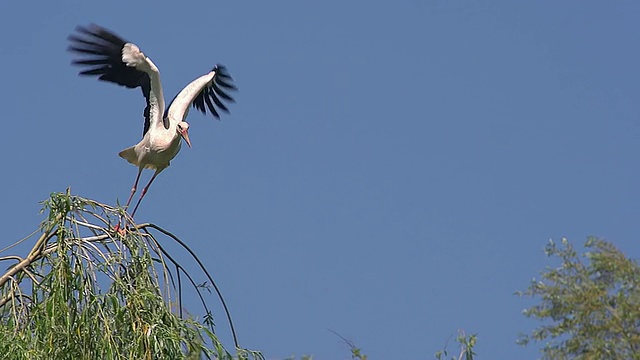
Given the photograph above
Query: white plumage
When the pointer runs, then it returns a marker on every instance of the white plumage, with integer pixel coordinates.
(115, 60)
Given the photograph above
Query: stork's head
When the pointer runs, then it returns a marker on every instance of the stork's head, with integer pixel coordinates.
(183, 130)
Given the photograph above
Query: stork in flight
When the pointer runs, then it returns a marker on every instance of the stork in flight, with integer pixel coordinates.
(113, 59)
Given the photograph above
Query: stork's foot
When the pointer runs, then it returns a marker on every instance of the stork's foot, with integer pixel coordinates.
(119, 230)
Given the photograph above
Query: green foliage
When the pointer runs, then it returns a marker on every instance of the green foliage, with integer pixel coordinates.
(467, 344)
(86, 291)
(356, 352)
(590, 304)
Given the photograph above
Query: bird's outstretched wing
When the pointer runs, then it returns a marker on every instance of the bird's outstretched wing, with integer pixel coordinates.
(208, 92)
(113, 59)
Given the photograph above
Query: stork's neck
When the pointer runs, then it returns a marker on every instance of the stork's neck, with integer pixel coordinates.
(173, 123)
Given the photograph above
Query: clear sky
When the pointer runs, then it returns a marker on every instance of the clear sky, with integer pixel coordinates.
(391, 170)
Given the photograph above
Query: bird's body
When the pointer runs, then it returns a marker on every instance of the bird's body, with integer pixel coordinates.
(154, 151)
(113, 59)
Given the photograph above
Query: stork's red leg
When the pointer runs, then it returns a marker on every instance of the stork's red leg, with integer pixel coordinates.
(133, 191)
(134, 188)
(144, 191)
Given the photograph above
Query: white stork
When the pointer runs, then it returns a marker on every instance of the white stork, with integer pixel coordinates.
(113, 59)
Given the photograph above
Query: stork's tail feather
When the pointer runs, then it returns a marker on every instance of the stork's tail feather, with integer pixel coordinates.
(129, 154)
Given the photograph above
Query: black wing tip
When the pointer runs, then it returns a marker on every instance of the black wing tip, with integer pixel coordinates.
(99, 53)
(90, 28)
(212, 98)
(95, 34)
(222, 71)
(224, 79)
(82, 29)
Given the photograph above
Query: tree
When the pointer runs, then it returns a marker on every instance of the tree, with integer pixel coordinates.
(589, 305)
(85, 291)
(466, 342)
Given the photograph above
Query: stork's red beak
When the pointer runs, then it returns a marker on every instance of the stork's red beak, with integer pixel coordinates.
(185, 136)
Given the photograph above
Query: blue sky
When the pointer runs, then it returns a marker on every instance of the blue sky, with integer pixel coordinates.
(390, 171)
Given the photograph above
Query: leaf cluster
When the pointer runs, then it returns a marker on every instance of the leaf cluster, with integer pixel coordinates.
(589, 305)
(86, 291)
